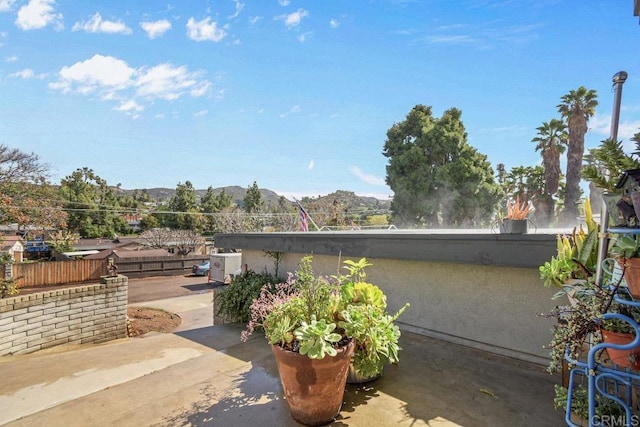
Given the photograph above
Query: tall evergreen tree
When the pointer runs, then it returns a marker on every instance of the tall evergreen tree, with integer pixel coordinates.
(185, 211)
(437, 177)
(253, 202)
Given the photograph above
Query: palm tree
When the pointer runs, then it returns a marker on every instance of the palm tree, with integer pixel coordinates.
(550, 141)
(577, 107)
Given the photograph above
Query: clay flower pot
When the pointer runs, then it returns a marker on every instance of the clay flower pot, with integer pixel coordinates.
(632, 275)
(622, 357)
(313, 388)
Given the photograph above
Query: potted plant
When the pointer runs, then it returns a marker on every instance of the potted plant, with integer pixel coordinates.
(626, 249)
(573, 267)
(594, 318)
(514, 221)
(314, 325)
(368, 323)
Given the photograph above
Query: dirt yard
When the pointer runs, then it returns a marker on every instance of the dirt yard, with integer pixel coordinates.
(143, 319)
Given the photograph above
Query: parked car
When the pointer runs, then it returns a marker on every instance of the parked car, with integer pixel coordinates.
(201, 269)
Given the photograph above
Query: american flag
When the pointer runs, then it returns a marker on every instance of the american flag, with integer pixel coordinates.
(304, 219)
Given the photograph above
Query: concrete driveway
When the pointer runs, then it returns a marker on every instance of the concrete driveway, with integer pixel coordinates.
(163, 287)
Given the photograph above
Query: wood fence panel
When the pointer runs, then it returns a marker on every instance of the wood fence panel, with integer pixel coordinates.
(59, 272)
(85, 270)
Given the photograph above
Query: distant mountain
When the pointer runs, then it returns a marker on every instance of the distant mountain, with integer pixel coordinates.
(348, 199)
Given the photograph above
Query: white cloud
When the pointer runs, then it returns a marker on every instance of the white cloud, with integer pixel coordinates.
(201, 113)
(202, 88)
(628, 129)
(253, 20)
(293, 19)
(129, 106)
(600, 124)
(239, 7)
(334, 23)
(27, 73)
(204, 30)
(38, 14)
(453, 39)
(112, 79)
(156, 28)
(98, 73)
(6, 5)
(369, 179)
(168, 82)
(11, 59)
(294, 110)
(311, 165)
(304, 36)
(284, 2)
(97, 25)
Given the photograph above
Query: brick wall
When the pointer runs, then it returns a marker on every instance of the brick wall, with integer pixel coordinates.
(78, 315)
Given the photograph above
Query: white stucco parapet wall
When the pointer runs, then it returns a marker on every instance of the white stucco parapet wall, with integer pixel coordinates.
(477, 289)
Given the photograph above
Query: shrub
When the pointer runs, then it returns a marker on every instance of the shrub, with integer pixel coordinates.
(234, 301)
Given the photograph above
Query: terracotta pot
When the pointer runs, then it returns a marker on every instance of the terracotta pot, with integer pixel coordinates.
(622, 357)
(632, 275)
(313, 388)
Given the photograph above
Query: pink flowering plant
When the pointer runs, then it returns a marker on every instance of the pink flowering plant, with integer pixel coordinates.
(316, 315)
(301, 314)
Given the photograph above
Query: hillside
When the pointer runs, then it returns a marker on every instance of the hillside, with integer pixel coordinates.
(348, 199)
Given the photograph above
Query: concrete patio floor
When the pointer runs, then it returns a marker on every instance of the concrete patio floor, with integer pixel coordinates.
(202, 375)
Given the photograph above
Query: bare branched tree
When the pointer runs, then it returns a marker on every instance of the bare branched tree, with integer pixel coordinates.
(157, 238)
(184, 241)
(16, 166)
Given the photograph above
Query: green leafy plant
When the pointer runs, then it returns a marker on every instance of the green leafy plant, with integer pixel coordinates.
(234, 301)
(625, 246)
(317, 338)
(580, 403)
(8, 287)
(316, 315)
(576, 258)
(580, 325)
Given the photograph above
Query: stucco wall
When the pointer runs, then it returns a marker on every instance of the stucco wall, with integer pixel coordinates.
(487, 307)
(78, 315)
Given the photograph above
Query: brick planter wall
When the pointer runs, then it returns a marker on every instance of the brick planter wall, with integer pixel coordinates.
(78, 315)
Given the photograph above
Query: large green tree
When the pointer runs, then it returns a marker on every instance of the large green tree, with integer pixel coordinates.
(92, 206)
(439, 180)
(576, 107)
(253, 202)
(551, 141)
(185, 213)
(211, 203)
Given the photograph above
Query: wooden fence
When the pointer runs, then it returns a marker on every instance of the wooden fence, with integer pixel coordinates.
(59, 272)
(159, 266)
(85, 270)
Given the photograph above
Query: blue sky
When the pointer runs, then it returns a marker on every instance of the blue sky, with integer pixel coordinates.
(296, 95)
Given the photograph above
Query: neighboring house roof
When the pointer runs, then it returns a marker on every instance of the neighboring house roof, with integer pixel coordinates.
(102, 244)
(14, 243)
(122, 254)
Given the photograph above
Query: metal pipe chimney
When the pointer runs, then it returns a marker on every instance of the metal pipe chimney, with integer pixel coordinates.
(618, 80)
